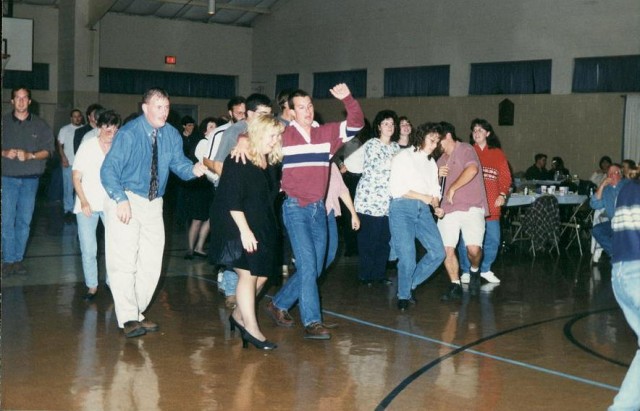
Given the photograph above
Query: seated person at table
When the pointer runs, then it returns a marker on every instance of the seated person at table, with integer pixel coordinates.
(628, 168)
(538, 171)
(557, 166)
(605, 197)
(601, 172)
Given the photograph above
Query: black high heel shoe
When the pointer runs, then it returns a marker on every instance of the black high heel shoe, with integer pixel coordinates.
(261, 345)
(233, 324)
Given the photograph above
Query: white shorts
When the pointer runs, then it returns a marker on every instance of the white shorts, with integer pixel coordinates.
(470, 223)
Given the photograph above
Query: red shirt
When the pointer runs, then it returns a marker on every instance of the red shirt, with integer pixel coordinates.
(497, 177)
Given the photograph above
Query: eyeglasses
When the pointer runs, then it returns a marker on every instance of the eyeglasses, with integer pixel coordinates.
(387, 123)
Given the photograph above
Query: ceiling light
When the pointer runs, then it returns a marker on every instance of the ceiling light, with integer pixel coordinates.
(212, 7)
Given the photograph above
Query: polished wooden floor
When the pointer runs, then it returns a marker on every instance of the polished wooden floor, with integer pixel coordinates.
(550, 337)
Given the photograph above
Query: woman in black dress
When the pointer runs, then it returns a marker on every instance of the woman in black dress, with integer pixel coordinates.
(246, 237)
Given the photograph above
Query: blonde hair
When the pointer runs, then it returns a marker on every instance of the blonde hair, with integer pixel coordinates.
(257, 127)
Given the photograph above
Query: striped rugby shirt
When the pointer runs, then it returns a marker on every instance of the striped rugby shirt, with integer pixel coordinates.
(305, 167)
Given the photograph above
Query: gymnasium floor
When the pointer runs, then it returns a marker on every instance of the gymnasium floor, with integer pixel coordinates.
(550, 337)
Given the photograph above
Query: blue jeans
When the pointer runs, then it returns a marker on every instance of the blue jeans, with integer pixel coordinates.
(410, 220)
(18, 203)
(373, 246)
(229, 282)
(89, 246)
(307, 228)
(332, 246)
(604, 236)
(67, 190)
(490, 247)
(625, 278)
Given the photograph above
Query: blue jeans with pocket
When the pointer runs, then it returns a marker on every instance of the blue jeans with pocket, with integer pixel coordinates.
(409, 220)
(87, 227)
(625, 278)
(18, 203)
(307, 229)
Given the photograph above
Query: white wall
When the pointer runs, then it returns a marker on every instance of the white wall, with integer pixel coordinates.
(306, 36)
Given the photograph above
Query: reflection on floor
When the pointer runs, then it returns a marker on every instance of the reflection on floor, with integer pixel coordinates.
(549, 337)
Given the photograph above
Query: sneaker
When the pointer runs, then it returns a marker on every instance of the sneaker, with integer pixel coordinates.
(488, 287)
(490, 277)
(133, 329)
(453, 293)
(316, 331)
(465, 278)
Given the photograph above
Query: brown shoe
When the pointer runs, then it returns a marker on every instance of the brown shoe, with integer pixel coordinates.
(133, 329)
(281, 317)
(230, 302)
(149, 326)
(7, 269)
(315, 331)
(19, 268)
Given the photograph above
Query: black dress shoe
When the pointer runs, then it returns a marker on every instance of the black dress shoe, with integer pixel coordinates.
(403, 305)
(199, 254)
(89, 296)
(133, 329)
(413, 300)
(474, 283)
(453, 293)
(188, 256)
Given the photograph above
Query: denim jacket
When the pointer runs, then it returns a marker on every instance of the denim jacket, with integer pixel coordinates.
(127, 166)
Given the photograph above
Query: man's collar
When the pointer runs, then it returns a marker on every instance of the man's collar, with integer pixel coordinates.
(13, 114)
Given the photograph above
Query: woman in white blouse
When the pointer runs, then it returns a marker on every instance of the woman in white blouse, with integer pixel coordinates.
(415, 191)
(372, 199)
(90, 195)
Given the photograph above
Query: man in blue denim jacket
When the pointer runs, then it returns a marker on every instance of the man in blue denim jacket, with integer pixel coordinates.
(625, 278)
(605, 197)
(135, 228)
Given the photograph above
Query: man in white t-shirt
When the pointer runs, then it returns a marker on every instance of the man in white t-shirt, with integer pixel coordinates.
(65, 149)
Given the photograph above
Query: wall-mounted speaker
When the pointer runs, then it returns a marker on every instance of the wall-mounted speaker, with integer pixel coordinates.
(505, 112)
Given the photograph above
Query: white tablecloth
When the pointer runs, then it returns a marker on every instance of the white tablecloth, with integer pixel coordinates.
(516, 200)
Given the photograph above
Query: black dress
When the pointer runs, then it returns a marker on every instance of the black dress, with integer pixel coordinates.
(198, 192)
(252, 190)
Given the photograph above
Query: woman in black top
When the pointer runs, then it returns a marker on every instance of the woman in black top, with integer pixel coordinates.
(246, 237)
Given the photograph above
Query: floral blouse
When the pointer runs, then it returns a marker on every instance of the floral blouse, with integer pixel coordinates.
(372, 194)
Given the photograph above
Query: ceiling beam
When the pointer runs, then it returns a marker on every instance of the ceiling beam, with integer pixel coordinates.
(226, 6)
(97, 10)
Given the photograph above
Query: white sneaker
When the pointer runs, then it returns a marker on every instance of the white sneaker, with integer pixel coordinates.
(488, 288)
(490, 277)
(465, 278)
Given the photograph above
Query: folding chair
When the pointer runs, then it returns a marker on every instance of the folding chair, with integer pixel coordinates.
(573, 225)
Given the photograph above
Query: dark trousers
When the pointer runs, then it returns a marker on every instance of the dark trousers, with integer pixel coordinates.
(373, 247)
